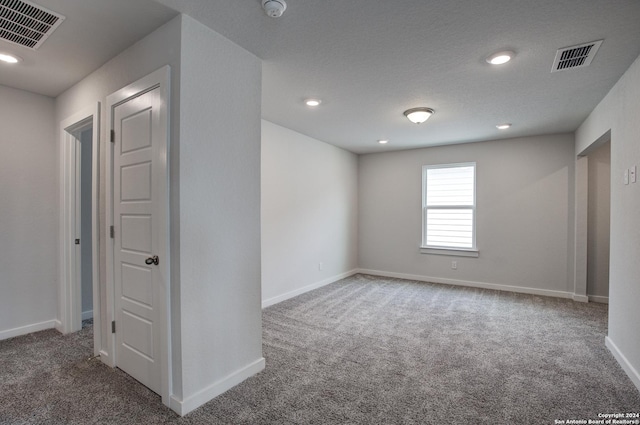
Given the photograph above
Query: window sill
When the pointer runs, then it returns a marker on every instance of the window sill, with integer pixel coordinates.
(450, 251)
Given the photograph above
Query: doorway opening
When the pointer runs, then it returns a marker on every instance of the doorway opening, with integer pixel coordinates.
(85, 236)
(592, 226)
(598, 223)
(79, 297)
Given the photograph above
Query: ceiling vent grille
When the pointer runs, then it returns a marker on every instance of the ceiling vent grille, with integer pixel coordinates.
(575, 56)
(26, 23)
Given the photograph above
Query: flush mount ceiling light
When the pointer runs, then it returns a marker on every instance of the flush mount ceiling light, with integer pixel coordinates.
(418, 115)
(500, 58)
(5, 57)
(503, 126)
(312, 102)
(383, 141)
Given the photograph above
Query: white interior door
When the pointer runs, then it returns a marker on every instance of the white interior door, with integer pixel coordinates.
(139, 192)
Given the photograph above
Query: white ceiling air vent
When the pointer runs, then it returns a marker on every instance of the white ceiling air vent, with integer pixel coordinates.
(26, 23)
(575, 56)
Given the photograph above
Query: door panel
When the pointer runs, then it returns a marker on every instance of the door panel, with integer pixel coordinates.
(136, 161)
(136, 233)
(136, 133)
(136, 182)
(137, 334)
(137, 284)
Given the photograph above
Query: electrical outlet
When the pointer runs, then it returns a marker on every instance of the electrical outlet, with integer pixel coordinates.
(320, 266)
(454, 265)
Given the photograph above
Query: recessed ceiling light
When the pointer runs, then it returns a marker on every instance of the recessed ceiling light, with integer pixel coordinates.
(383, 142)
(503, 126)
(312, 102)
(5, 57)
(418, 115)
(500, 57)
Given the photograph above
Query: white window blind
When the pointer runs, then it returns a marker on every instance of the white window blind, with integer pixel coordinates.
(449, 206)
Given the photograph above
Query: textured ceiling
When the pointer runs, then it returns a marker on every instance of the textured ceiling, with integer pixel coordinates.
(93, 32)
(370, 60)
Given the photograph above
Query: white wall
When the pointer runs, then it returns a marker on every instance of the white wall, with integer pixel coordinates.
(28, 213)
(214, 194)
(219, 277)
(619, 112)
(524, 214)
(215, 199)
(309, 213)
(599, 205)
(160, 48)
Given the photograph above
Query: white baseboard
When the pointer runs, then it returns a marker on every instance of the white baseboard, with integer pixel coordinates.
(87, 314)
(580, 298)
(598, 299)
(275, 300)
(23, 330)
(472, 284)
(631, 372)
(182, 407)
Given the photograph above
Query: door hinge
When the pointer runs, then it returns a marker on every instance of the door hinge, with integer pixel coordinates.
(77, 241)
(112, 232)
(113, 327)
(113, 136)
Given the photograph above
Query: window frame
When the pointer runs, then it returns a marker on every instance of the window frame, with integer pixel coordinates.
(445, 250)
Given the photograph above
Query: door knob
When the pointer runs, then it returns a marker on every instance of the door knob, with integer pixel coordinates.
(152, 260)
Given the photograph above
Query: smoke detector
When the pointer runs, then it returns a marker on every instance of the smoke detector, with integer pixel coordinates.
(274, 8)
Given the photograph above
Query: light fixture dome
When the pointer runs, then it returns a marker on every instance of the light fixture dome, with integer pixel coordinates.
(500, 58)
(418, 115)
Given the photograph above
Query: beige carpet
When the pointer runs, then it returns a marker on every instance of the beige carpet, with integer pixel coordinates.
(364, 350)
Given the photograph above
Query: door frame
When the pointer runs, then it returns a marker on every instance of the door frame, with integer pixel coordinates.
(581, 217)
(159, 79)
(69, 284)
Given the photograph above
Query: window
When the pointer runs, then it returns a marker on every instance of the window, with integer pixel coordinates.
(449, 208)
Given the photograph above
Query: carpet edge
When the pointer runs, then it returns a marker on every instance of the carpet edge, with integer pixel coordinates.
(27, 329)
(287, 295)
(471, 284)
